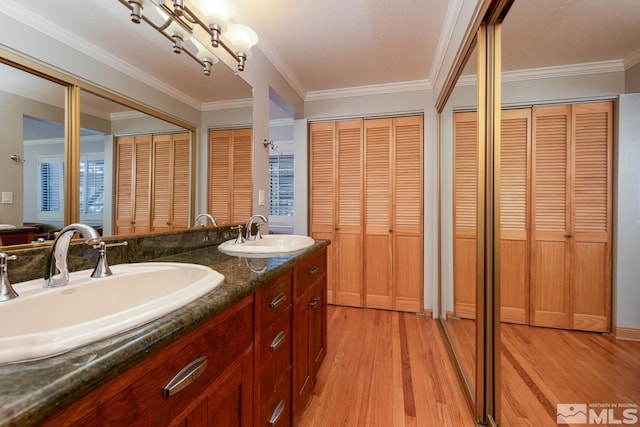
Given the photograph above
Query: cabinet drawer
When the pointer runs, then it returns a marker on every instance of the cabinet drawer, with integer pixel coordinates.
(273, 300)
(274, 355)
(277, 412)
(308, 272)
(221, 340)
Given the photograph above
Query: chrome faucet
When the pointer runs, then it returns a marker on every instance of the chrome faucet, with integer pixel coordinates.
(206, 216)
(250, 222)
(57, 272)
(6, 291)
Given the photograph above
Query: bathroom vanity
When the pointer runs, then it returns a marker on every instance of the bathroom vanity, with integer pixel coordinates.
(245, 354)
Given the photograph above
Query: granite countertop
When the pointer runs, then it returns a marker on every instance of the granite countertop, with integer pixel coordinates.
(32, 391)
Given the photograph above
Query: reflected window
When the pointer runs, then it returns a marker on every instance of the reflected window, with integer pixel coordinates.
(50, 187)
(92, 186)
(281, 184)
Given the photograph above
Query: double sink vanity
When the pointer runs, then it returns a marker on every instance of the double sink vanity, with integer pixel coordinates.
(182, 333)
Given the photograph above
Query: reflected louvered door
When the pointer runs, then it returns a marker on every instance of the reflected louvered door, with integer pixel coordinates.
(124, 185)
(551, 227)
(348, 230)
(408, 282)
(322, 193)
(242, 185)
(514, 174)
(590, 288)
(465, 155)
(377, 213)
(161, 212)
(141, 221)
(220, 175)
(181, 182)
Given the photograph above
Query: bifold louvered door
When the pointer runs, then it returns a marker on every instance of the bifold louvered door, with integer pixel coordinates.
(366, 195)
(170, 182)
(465, 182)
(514, 240)
(555, 216)
(231, 175)
(133, 184)
(571, 217)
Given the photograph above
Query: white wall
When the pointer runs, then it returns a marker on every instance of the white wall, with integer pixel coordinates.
(626, 241)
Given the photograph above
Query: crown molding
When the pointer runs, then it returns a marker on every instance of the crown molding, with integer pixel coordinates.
(126, 115)
(613, 66)
(224, 105)
(281, 123)
(21, 14)
(83, 138)
(411, 86)
(632, 60)
(453, 13)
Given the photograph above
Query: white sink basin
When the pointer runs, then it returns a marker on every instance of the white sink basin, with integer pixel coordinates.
(43, 322)
(269, 245)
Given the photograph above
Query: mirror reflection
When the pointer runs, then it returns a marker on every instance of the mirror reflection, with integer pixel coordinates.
(458, 218)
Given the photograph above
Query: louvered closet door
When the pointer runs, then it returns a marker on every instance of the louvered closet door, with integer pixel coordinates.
(465, 155)
(348, 237)
(124, 185)
(181, 182)
(322, 193)
(142, 180)
(377, 213)
(242, 166)
(591, 217)
(514, 270)
(551, 227)
(407, 225)
(220, 175)
(161, 212)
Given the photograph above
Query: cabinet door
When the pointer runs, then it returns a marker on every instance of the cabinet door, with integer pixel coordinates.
(220, 175)
(377, 213)
(142, 180)
(550, 217)
(514, 268)
(317, 327)
(407, 227)
(591, 217)
(322, 192)
(465, 181)
(348, 237)
(124, 185)
(301, 354)
(161, 213)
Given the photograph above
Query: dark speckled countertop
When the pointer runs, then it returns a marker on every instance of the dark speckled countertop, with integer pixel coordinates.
(32, 391)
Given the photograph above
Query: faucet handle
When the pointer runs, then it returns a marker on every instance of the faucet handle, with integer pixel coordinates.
(239, 239)
(102, 268)
(6, 290)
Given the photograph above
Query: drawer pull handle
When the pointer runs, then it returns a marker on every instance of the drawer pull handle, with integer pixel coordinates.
(186, 376)
(279, 299)
(313, 270)
(277, 413)
(277, 341)
(314, 302)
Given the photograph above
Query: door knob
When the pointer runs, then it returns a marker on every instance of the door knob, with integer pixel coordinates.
(568, 235)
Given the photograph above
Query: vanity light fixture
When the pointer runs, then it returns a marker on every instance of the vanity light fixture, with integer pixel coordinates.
(181, 20)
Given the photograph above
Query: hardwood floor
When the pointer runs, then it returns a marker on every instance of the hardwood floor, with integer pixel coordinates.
(543, 367)
(385, 369)
(391, 369)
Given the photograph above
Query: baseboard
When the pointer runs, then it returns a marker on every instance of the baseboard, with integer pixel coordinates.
(631, 334)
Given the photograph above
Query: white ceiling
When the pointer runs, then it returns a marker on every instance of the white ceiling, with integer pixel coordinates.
(336, 44)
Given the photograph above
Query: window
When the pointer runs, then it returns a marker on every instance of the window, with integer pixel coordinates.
(281, 185)
(91, 186)
(51, 187)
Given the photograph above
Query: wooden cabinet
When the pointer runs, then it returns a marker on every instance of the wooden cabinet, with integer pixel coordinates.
(170, 182)
(272, 389)
(366, 196)
(133, 184)
(222, 395)
(310, 327)
(231, 175)
(153, 183)
(555, 216)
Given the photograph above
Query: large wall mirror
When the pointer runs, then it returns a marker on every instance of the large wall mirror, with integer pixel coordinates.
(32, 166)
